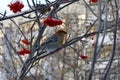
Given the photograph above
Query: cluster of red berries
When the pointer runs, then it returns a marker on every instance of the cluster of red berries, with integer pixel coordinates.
(23, 51)
(24, 41)
(84, 57)
(16, 6)
(93, 1)
(49, 21)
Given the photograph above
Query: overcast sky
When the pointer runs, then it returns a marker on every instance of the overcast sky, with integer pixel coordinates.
(4, 3)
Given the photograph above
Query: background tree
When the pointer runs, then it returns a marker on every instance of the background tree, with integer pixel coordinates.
(90, 50)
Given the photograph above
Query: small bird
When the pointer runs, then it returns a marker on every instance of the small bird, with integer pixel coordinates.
(55, 41)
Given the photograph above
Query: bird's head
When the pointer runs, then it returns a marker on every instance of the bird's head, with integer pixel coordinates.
(61, 32)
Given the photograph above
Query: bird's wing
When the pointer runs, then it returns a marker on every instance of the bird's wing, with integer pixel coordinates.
(51, 39)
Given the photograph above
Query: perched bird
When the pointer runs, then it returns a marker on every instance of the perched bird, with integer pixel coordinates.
(55, 41)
